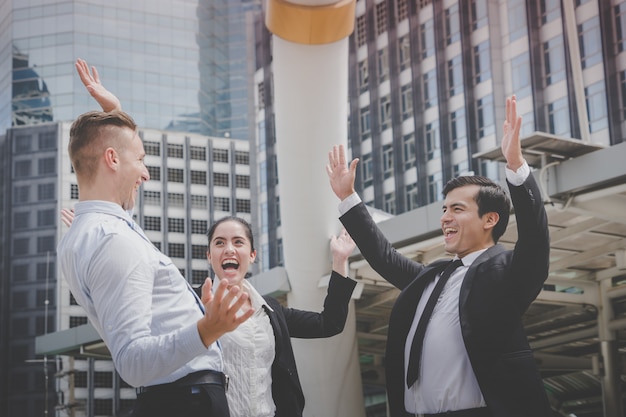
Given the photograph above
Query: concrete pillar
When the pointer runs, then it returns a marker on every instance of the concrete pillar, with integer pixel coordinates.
(611, 393)
(310, 67)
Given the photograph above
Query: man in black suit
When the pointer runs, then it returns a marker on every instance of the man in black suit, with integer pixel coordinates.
(473, 359)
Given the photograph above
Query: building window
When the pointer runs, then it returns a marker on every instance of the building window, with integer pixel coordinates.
(620, 26)
(453, 31)
(482, 62)
(385, 113)
(175, 175)
(367, 170)
(406, 96)
(76, 321)
(198, 252)
(46, 217)
(550, 10)
(408, 151)
(103, 379)
(155, 173)
(152, 197)
(221, 179)
(383, 64)
(21, 220)
(517, 19)
(590, 42)
(520, 75)
(242, 158)
(429, 89)
(152, 148)
(198, 277)
(458, 133)
(455, 76)
(261, 94)
(220, 155)
(433, 148)
(242, 205)
(152, 223)
(554, 60)
(427, 39)
(103, 406)
(221, 204)
(622, 82)
(45, 270)
(402, 10)
(46, 244)
(435, 187)
(176, 250)
(46, 192)
(597, 113)
(21, 194)
(390, 203)
(47, 166)
(176, 199)
(365, 123)
(23, 144)
(47, 140)
(360, 31)
(23, 168)
(478, 14)
(485, 116)
(197, 153)
(175, 225)
(381, 18)
(199, 227)
(174, 150)
(198, 177)
(74, 191)
(387, 161)
(242, 181)
(558, 119)
(460, 168)
(199, 201)
(404, 52)
(411, 196)
(363, 76)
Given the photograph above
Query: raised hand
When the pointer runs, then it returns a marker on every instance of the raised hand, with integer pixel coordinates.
(341, 176)
(67, 216)
(341, 247)
(226, 309)
(511, 145)
(91, 80)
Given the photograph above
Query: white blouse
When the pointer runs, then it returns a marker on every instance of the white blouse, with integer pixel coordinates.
(249, 352)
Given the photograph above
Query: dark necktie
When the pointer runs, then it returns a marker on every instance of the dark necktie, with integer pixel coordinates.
(418, 340)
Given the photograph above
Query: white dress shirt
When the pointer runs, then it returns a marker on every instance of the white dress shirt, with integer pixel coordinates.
(249, 353)
(135, 297)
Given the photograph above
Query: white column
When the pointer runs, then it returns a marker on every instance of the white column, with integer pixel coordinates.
(311, 109)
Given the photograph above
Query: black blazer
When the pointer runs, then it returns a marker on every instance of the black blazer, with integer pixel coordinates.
(496, 291)
(290, 322)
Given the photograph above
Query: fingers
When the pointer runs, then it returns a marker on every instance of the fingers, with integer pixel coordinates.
(207, 295)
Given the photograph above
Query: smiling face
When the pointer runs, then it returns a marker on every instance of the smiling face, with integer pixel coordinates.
(464, 231)
(132, 170)
(230, 251)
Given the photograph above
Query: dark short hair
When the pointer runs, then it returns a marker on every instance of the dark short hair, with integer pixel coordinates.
(245, 224)
(91, 133)
(491, 197)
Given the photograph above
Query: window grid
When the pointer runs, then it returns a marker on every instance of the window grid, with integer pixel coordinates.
(198, 252)
(175, 225)
(175, 175)
(242, 181)
(152, 148)
(221, 179)
(220, 155)
(242, 205)
(175, 150)
(221, 204)
(381, 18)
(176, 250)
(242, 158)
(198, 177)
(152, 223)
(199, 227)
(197, 153)
(176, 199)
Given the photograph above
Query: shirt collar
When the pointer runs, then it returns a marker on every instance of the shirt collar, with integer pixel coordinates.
(469, 259)
(103, 207)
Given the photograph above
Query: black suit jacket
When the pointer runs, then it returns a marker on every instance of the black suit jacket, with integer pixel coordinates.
(290, 322)
(496, 291)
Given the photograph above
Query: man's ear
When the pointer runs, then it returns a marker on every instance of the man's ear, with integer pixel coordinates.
(491, 219)
(111, 158)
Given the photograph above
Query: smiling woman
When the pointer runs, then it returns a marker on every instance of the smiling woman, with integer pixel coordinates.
(258, 355)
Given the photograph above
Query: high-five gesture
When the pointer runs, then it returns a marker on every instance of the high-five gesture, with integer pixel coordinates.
(511, 146)
(341, 176)
(106, 99)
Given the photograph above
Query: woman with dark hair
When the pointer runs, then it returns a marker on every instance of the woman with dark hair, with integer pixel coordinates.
(258, 355)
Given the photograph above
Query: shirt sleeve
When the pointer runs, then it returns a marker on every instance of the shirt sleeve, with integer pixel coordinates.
(349, 202)
(518, 177)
